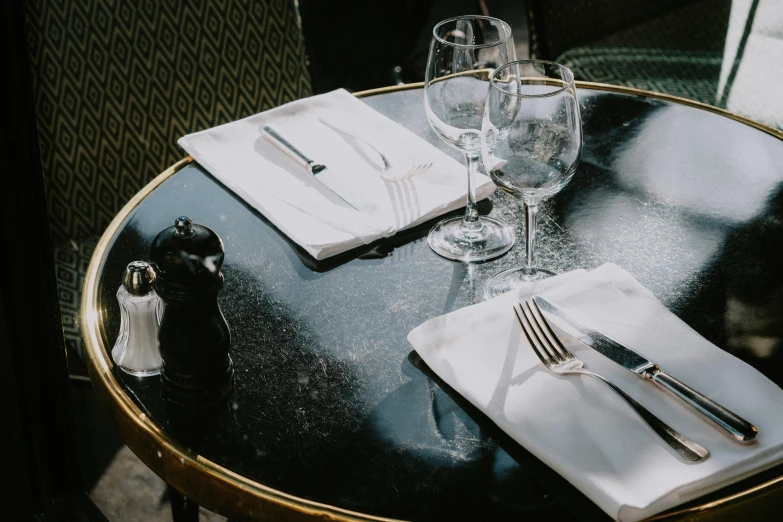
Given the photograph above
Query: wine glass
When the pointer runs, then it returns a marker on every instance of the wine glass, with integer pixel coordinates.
(464, 52)
(531, 145)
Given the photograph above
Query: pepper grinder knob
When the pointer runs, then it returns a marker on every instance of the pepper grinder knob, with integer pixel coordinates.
(184, 226)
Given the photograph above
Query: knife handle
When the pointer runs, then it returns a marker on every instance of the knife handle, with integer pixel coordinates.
(739, 428)
(286, 146)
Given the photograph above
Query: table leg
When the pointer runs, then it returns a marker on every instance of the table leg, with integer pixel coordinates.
(183, 509)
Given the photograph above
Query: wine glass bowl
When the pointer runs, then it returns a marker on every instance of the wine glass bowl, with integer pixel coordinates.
(531, 146)
(464, 53)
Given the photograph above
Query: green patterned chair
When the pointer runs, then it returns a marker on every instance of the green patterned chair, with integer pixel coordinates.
(116, 83)
(670, 46)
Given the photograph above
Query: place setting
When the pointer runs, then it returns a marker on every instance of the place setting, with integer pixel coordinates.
(586, 369)
(517, 355)
(302, 166)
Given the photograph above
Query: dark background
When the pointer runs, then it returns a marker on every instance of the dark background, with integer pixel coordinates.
(357, 44)
(62, 443)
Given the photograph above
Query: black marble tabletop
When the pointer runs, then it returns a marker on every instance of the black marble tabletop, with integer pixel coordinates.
(331, 403)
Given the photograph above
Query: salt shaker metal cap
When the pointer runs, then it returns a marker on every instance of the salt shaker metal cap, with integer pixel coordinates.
(139, 278)
(136, 350)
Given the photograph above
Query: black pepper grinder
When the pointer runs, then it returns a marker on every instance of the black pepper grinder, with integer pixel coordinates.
(194, 337)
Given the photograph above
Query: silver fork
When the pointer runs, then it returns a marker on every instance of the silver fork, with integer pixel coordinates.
(388, 171)
(560, 361)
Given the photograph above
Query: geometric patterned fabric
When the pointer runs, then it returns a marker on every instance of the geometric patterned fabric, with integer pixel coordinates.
(677, 51)
(687, 75)
(751, 83)
(70, 264)
(116, 83)
(560, 25)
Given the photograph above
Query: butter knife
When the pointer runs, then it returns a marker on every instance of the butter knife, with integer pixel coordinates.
(327, 177)
(739, 428)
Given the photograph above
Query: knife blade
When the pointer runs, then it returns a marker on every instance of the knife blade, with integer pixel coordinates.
(740, 429)
(330, 179)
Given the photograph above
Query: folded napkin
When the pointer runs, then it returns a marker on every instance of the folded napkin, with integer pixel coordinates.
(299, 205)
(581, 428)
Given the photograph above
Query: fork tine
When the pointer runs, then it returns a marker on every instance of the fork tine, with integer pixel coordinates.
(418, 169)
(684, 447)
(412, 172)
(545, 359)
(541, 336)
(390, 176)
(523, 323)
(415, 171)
(554, 339)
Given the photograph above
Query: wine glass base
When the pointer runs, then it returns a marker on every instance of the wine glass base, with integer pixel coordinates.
(513, 279)
(448, 239)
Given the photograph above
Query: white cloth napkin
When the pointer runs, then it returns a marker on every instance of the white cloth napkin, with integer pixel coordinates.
(581, 428)
(301, 207)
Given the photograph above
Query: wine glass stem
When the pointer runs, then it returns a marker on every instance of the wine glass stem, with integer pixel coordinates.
(471, 225)
(531, 213)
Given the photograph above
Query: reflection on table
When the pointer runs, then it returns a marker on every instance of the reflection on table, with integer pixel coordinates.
(330, 404)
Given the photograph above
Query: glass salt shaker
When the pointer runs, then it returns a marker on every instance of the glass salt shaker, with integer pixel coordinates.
(136, 350)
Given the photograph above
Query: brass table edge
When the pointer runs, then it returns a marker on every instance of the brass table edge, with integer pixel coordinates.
(149, 442)
(388, 89)
(619, 89)
(154, 446)
(745, 494)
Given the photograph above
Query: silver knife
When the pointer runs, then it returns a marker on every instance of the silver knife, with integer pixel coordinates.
(328, 178)
(739, 428)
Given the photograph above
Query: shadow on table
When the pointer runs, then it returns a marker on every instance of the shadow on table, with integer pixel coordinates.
(376, 250)
(572, 499)
(566, 498)
(441, 460)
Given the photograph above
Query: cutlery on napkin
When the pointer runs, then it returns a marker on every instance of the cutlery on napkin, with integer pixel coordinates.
(734, 425)
(303, 208)
(385, 168)
(580, 428)
(320, 171)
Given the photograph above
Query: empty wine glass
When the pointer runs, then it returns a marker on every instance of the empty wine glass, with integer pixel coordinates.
(464, 53)
(531, 145)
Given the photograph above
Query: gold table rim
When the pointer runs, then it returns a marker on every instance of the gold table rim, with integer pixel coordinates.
(209, 483)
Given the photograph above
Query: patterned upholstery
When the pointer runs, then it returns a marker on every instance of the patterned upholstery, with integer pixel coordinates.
(117, 82)
(70, 264)
(673, 47)
(687, 75)
(559, 25)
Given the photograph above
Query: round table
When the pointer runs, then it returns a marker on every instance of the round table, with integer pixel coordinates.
(333, 415)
